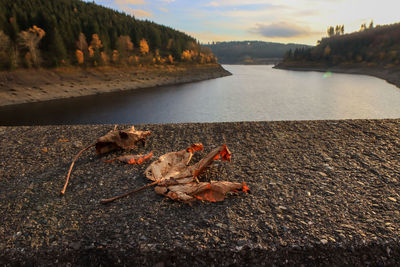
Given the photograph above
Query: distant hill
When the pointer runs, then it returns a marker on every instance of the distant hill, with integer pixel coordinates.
(370, 47)
(50, 33)
(251, 52)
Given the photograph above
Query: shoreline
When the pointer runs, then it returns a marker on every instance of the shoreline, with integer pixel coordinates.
(323, 193)
(390, 75)
(26, 86)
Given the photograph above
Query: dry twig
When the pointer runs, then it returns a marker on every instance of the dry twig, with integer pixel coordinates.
(72, 165)
(108, 200)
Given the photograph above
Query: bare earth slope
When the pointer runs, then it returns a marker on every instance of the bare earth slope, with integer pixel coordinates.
(391, 75)
(323, 193)
(22, 86)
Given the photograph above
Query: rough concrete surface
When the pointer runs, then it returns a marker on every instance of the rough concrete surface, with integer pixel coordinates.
(322, 193)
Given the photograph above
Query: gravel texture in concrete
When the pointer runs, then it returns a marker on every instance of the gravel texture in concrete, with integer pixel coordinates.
(322, 193)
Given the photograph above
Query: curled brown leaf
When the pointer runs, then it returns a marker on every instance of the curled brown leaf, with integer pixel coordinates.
(115, 139)
(120, 139)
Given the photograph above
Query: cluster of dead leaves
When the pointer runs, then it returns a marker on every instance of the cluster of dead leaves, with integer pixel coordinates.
(170, 173)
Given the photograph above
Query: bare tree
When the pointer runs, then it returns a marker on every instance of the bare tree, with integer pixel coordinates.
(30, 39)
(124, 46)
(81, 44)
(331, 31)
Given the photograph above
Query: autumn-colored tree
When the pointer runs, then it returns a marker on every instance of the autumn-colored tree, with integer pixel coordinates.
(115, 56)
(144, 47)
(170, 59)
(157, 56)
(96, 42)
(91, 51)
(82, 45)
(94, 49)
(186, 55)
(104, 58)
(30, 39)
(79, 56)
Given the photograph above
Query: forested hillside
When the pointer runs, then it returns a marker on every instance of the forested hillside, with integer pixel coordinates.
(371, 46)
(250, 52)
(51, 33)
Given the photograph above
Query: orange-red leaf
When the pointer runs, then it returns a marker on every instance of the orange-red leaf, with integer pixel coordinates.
(132, 159)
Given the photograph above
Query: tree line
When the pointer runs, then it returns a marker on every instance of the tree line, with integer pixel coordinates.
(37, 33)
(371, 46)
(235, 52)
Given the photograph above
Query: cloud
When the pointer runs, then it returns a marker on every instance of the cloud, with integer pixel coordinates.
(213, 4)
(281, 29)
(137, 13)
(221, 3)
(209, 36)
(168, 1)
(163, 9)
(130, 2)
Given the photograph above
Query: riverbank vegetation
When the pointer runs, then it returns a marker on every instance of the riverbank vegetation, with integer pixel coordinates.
(371, 46)
(36, 33)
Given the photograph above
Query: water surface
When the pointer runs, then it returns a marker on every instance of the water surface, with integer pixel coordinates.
(252, 93)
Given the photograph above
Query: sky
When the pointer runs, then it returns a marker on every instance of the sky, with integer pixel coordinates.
(285, 21)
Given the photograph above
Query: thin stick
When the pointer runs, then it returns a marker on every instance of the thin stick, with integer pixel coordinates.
(72, 165)
(108, 200)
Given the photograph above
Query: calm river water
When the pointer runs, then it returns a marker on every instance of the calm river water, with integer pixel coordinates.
(252, 93)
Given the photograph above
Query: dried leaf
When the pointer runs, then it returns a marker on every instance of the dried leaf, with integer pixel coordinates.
(213, 191)
(120, 139)
(172, 168)
(115, 139)
(175, 179)
(173, 165)
(179, 181)
(132, 159)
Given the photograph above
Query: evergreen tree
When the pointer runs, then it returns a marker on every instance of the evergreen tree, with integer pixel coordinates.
(57, 49)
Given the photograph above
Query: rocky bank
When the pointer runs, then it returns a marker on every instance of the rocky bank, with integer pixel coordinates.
(23, 86)
(389, 74)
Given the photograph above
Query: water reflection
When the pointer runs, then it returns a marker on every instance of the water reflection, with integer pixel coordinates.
(252, 93)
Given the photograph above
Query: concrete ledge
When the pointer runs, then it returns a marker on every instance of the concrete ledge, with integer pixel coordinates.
(323, 193)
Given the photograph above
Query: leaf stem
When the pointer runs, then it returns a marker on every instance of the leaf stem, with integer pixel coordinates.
(72, 165)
